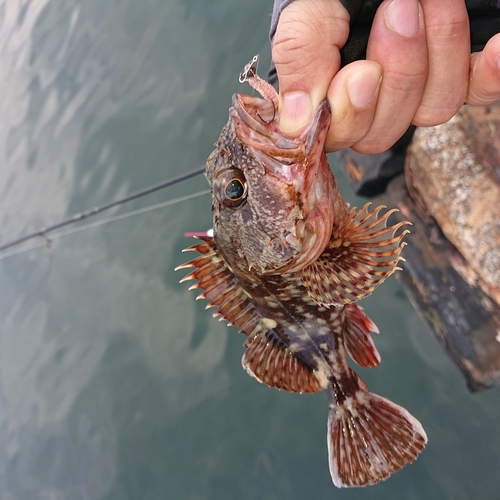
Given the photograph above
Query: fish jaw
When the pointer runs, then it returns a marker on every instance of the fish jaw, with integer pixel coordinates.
(300, 163)
(256, 125)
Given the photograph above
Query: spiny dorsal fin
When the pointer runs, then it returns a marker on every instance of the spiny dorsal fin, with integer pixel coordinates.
(370, 438)
(361, 254)
(220, 287)
(267, 357)
(358, 341)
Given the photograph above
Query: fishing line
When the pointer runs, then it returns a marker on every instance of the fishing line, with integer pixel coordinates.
(101, 222)
(42, 233)
(249, 71)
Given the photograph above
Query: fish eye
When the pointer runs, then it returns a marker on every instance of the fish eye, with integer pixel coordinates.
(234, 190)
(230, 187)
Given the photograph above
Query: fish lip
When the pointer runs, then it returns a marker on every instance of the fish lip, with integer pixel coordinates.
(262, 136)
(243, 105)
(275, 150)
(240, 103)
(318, 127)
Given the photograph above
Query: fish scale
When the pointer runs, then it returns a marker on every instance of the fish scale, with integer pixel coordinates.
(286, 265)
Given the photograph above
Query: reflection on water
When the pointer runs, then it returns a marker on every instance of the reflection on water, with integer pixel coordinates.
(114, 382)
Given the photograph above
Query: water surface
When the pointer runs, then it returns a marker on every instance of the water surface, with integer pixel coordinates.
(114, 382)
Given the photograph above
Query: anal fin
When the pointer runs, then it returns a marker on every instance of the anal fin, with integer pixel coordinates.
(370, 438)
(358, 341)
(269, 360)
(361, 254)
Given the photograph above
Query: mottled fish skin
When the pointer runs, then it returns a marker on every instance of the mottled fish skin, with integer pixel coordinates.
(292, 293)
(287, 217)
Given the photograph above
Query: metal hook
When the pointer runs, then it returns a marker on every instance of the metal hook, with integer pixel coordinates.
(274, 115)
(249, 70)
(249, 75)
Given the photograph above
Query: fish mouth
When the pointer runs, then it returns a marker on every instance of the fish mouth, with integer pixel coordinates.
(257, 126)
(256, 123)
(299, 162)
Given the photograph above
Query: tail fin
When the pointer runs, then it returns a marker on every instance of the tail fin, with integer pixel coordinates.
(369, 438)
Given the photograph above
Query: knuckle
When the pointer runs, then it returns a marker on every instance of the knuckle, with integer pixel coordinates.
(438, 108)
(480, 97)
(445, 26)
(445, 14)
(306, 29)
(346, 137)
(429, 117)
(405, 82)
(374, 145)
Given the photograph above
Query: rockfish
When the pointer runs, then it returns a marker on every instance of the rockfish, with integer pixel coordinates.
(287, 262)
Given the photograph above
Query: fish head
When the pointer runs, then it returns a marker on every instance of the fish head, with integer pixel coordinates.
(273, 196)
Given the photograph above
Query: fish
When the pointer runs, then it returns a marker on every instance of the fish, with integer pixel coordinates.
(287, 263)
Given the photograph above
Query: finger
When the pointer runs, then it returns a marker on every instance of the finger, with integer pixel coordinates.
(448, 47)
(484, 82)
(397, 43)
(353, 97)
(306, 54)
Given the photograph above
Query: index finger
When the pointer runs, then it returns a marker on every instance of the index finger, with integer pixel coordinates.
(306, 52)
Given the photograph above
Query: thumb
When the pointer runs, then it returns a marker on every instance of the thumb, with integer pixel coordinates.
(306, 53)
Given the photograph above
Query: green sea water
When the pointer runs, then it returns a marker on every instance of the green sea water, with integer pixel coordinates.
(115, 384)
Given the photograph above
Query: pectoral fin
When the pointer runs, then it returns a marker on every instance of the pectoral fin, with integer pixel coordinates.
(361, 254)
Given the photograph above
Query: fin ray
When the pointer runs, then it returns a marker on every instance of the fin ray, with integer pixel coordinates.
(358, 341)
(370, 438)
(219, 287)
(360, 256)
(267, 357)
(269, 360)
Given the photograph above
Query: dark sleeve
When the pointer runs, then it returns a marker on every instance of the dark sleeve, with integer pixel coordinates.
(361, 13)
(484, 19)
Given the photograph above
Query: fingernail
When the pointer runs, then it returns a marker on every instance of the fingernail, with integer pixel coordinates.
(296, 112)
(498, 61)
(363, 85)
(402, 16)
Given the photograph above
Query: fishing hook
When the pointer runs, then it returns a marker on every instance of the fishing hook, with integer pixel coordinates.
(273, 117)
(267, 91)
(250, 70)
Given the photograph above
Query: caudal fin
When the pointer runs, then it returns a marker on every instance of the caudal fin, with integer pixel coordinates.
(370, 438)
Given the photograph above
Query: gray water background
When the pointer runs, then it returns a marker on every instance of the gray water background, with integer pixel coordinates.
(115, 384)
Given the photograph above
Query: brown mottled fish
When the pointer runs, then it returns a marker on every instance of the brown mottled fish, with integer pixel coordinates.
(287, 262)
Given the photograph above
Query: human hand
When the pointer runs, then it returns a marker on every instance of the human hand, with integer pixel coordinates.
(418, 69)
